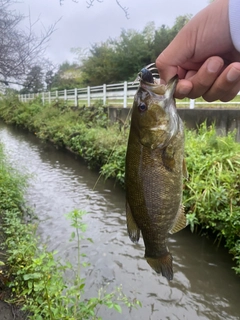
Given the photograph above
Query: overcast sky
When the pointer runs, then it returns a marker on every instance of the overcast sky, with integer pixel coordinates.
(81, 27)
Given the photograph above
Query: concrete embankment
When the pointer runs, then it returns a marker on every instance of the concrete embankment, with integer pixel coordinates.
(225, 120)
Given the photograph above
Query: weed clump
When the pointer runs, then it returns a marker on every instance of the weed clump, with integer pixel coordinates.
(212, 193)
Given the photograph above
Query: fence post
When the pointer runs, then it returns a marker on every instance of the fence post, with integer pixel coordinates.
(125, 94)
(89, 96)
(56, 96)
(192, 104)
(76, 97)
(49, 97)
(65, 95)
(43, 98)
(104, 94)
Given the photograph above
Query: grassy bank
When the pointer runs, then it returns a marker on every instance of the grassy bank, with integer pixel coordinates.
(30, 276)
(212, 193)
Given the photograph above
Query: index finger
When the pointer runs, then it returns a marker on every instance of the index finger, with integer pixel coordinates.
(177, 57)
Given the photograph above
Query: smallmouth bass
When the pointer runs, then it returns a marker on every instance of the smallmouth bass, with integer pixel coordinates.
(154, 171)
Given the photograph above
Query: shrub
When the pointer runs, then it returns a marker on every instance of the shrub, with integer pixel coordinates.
(212, 193)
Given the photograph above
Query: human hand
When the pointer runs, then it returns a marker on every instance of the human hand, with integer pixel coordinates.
(204, 57)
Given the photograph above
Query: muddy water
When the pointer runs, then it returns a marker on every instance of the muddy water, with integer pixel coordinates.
(204, 286)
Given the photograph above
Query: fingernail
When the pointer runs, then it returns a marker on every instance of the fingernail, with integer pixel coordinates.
(233, 75)
(213, 66)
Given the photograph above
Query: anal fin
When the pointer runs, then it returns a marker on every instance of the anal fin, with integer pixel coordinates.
(180, 221)
(133, 230)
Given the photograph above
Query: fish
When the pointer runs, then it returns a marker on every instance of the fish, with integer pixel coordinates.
(154, 170)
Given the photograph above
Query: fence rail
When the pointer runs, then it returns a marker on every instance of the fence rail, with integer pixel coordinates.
(119, 95)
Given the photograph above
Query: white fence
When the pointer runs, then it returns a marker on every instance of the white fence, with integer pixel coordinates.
(119, 95)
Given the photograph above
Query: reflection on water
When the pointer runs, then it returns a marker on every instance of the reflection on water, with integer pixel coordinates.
(204, 286)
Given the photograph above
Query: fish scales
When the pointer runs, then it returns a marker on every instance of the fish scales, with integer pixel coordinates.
(154, 171)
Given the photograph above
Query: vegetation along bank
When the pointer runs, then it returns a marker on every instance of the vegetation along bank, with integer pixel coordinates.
(212, 193)
(32, 278)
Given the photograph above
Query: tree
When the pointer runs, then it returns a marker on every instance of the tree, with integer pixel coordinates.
(68, 76)
(19, 50)
(122, 58)
(134, 51)
(118, 59)
(161, 40)
(100, 67)
(49, 78)
(34, 80)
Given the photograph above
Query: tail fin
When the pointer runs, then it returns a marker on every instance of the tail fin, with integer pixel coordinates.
(162, 265)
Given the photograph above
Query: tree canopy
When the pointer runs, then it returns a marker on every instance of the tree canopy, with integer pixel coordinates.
(20, 49)
(112, 61)
(122, 58)
(34, 80)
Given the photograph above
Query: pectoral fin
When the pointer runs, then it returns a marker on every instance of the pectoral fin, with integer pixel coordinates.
(168, 157)
(185, 172)
(180, 222)
(133, 230)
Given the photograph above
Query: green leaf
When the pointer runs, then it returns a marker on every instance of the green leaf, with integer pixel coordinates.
(36, 275)
(117, 307)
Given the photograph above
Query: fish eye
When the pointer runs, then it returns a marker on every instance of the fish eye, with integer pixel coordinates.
(142, 107)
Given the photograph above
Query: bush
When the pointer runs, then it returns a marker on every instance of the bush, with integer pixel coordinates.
(212, 194)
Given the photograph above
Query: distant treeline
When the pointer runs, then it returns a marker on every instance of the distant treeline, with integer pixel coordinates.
(112, 61)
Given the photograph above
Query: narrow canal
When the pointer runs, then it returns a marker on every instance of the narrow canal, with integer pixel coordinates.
(204, 286)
